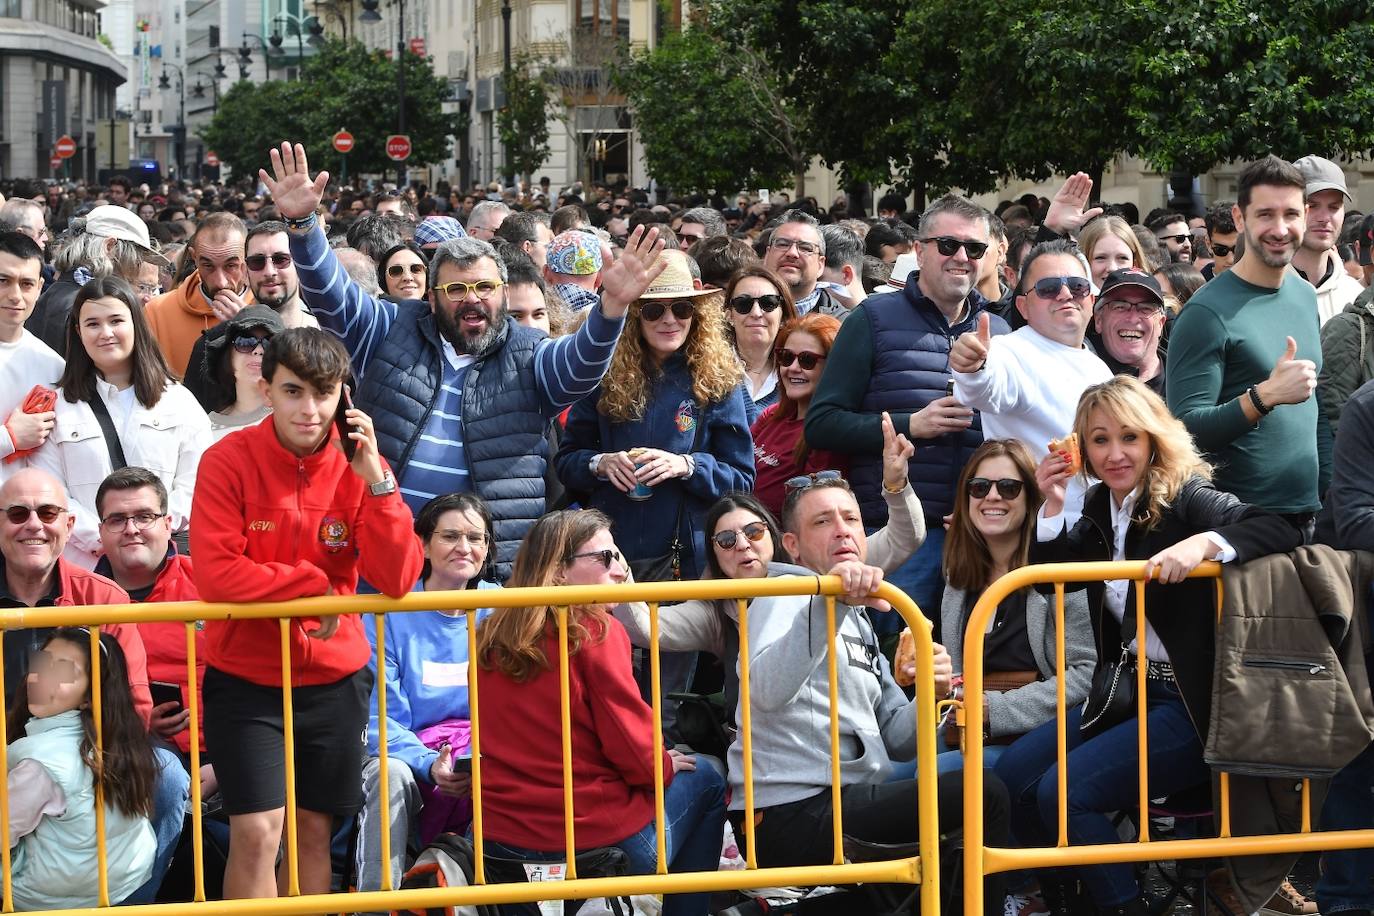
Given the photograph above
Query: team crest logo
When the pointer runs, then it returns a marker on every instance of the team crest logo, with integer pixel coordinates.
(686, 417)
(334, 534)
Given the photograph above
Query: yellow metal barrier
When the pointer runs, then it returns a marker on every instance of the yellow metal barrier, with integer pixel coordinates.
(922, 869)
(981, 860)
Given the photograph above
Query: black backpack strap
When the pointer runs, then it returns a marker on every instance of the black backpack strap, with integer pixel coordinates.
(102, 416)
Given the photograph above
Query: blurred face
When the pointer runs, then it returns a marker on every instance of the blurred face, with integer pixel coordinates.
(134, 532)
(1223, 245)
(107, 332)
(32, 224)
(149, 282)
(301, 413)
(484, 225)
(219, 258)
(271, 270)
(456, 550)
(691, 233)
(250, 209)
(148, 213)
(30, 545)
(118, 195)
(889, 252)
(995, 515)
(1109, 254)
(21, 280)
(798, 381)
(829, 529)
(794, 253)
(948, 279)
(757, 328)
(1118, 455)
(1060, 317)
(389, 206)
(57, 681)
(406, 275)
(527, 306)
(1130, 321)
(586, 566)
(1273, 224)
(248, 366)
(1178, 239)
(1325, 216)
(538, 250)
(468, 321)
(752, 548)
(665, 335)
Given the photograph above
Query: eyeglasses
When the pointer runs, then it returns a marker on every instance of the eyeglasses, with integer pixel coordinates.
(607, 557)
(454, 538)
(683, 309)
(281, 260)
(1007, 487)
(726, 540)
(1049, 287)
(1122, 307)
(745, 304)
(397, 271)
(948, 246)
(457, 291)
(805, 358)
(1221, 250)
(47, 514)
(116, 523)
(806, 481)
(248, 343)
(802, 246)
(149, 289)
(1180, 239)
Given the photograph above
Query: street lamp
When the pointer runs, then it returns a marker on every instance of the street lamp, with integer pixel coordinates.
(505, 81)
(198, 90)
(179, 131)
(299, 25)
(370, 14)
(246, 53)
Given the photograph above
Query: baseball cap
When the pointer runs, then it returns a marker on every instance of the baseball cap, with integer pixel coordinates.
(574, 253)
(1321, 175)
(1130, 277)
(433, 230)
(111, 222)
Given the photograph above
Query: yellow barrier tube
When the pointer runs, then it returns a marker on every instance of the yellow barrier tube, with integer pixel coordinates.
(565, 711)
(746, 737)
(655, 688)
(1061, 735)
(383, 761)
(1307, 806)
(193, 704)
(479, 867)
(293, 878)
(97, 714)
(6, 898)
(832, 671)
(1142, 667)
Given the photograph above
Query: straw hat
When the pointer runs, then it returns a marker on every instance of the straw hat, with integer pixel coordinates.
(676, 280)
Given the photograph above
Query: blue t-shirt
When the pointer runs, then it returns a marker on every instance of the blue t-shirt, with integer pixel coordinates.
(438, 464)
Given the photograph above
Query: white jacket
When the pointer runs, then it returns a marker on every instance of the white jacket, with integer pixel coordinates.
(167, 439)
(1339, 290)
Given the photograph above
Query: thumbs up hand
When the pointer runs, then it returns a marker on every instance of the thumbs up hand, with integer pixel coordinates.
(970, 351)
(1292, 381)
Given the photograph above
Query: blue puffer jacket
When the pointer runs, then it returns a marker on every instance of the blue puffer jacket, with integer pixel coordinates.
(724, 459)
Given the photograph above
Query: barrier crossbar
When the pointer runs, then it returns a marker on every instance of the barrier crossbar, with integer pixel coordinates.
(922, 870)
(981, 860)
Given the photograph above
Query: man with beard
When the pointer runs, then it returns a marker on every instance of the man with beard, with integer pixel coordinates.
(796, 252)
(461, 394)
(1244, 357)
(273, 282)
(214, 292)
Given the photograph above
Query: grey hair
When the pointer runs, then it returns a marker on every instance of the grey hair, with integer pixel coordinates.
(463, 253)
(957, 205)
(489, 206)
(361, 268)
(842, 246)
(16, 208)
(82, 249)
(709, 218)
(801, 216)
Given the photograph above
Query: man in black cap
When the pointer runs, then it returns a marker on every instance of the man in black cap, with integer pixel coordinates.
(1128, 325)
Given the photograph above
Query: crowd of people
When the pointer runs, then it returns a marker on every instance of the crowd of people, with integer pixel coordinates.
(296, 390)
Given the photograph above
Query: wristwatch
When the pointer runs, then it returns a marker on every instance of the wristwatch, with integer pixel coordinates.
(384, 486)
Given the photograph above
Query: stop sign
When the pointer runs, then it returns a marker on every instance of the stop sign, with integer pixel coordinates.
(398, 147)
(343, 142)
(55, 162)
(64, 148)
(211, 159)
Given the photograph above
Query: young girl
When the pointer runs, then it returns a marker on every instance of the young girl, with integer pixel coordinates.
(53, 771)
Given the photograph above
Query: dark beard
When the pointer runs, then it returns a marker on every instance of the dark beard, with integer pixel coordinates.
(448, 329)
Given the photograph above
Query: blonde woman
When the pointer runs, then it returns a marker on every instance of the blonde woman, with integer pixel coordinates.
(1155, 489)
(1109, 244)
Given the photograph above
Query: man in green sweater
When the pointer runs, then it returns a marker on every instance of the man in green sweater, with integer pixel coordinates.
(1244, 357)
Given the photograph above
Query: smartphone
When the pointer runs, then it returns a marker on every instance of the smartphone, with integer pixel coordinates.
(350, 445)
(462, 764)
(164, 692)
(949, 388)
(765, 197)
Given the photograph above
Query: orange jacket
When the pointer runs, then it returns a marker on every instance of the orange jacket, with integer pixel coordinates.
(267, 525)
(178, 317)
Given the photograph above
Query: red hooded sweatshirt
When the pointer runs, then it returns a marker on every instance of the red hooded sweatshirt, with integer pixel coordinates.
(267, 525)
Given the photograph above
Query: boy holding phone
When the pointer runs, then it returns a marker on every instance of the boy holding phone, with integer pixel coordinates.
(280, 513)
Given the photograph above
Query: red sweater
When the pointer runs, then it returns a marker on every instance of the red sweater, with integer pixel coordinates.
(267, 525)
(612, 749)
(81, 587)
(775, 443)
(166, 640)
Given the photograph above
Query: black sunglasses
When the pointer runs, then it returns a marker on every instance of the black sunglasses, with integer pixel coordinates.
(682, 310)
(745, 304)
(280, 261)
(248, 343)
(806, 358)
(948, 245)
(726, 540)
(1179, 239)
(397, 271)
(1222, 251)
(806, 481)
(47, 514)
(1049, 287)
(1007, 487)
(607, 556)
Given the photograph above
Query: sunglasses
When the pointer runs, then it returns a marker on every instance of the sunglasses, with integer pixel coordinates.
(948, 246)
(1049, 287)
(397, 271)
(249, 343)
(807, 359)
(1179, 239)
(606, 557)
(745, 304)
(689, 238)
(682, 310)
(1007, 487)
(819, 478)
(1222, 251)
(726, 540)
(47, 514)
(280, 261)
(457, 291)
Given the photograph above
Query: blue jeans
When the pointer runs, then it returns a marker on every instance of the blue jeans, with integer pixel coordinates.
(694, 805)
(1347, 881)
(953, 761)
(170, 794)
(1102, 779)
(923, 579)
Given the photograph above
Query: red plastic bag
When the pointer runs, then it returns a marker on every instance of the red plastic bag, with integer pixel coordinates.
(40, 399)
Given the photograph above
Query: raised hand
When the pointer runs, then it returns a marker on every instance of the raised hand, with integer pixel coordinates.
(970, 351)
(294, 192)
(626, 280)
(897, 452)
(1066, 213)
(1052, 477)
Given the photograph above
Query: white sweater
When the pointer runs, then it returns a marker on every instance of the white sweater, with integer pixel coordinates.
(23, 364)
